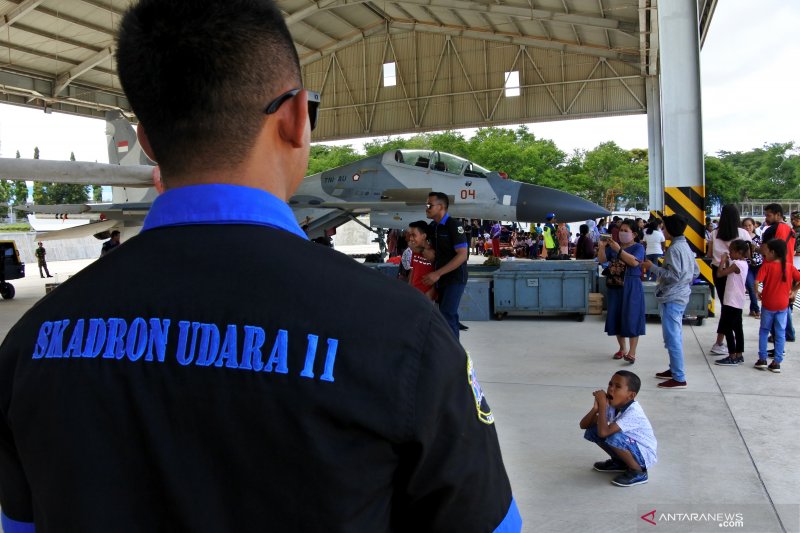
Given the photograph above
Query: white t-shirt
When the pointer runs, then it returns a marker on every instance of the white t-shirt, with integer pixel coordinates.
(721, 247)
(654, 241)
(734, 287)
(634, 423)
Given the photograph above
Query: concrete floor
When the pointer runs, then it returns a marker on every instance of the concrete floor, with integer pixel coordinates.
(728, 443)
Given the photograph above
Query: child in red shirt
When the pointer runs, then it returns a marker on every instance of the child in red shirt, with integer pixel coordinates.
(780, 279)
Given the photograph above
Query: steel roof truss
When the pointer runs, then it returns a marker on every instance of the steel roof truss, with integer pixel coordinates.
(544, 82)
(17, 12)
(66, 78)
(502, 89)
(387, 46)
(585, 83)
(433, 82)
(492, 8)
(622, 81)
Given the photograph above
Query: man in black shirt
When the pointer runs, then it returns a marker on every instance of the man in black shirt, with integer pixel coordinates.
(266, 401)
(111, 243)
(452, 253)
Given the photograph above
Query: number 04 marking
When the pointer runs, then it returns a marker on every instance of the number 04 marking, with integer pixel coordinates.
(467, 193)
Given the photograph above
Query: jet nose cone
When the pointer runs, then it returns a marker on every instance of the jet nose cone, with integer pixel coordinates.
(535, 202)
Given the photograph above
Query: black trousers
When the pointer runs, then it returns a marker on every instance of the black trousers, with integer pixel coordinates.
(730, 323)
(719, 287)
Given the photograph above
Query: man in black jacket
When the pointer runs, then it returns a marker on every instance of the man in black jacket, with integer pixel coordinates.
(448, 238)
(269, 401)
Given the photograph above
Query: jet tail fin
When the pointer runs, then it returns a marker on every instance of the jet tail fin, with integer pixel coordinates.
(123, 146)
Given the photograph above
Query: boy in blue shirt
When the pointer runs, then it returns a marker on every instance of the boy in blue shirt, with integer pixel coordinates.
(617, 423)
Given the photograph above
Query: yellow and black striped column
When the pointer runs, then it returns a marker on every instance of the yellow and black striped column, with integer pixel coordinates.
(690, 202)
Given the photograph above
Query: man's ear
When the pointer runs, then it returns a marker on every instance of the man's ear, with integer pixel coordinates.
(144, 141)
(293, 120)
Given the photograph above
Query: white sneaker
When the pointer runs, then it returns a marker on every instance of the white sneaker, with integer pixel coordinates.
(719, 349)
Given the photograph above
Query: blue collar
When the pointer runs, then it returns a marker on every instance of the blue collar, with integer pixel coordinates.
(444, 218)
(221, 204)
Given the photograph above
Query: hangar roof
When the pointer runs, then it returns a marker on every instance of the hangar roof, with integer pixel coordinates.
(452, 59)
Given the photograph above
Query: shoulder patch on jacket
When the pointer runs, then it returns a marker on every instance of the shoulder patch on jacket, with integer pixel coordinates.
(481, 405)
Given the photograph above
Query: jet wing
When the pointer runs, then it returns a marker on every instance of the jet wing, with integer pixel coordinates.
(77, 172)
(87, 230)
(58, 209)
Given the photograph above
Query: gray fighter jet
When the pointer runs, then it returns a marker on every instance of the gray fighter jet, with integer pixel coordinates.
(392, 188)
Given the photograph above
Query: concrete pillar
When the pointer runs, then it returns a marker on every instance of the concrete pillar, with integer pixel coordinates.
(655, 150)
(681, 122)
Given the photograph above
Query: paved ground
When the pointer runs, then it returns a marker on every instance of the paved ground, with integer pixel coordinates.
(729, 443)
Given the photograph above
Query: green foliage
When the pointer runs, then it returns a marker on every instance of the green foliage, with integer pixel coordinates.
(324, 157)
(5, 191)
(19, 191)
(20, 226)
(97, 193)
(771, 172)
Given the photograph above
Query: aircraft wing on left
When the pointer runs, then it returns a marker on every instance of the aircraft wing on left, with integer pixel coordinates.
(77, 172)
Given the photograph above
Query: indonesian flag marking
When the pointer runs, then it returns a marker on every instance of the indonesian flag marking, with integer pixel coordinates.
(122, 146)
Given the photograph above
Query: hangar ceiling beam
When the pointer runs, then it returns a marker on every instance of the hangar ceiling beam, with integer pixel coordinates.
(497, 9)
(55, 38)
(628, 56)
(78, 22)
(67, 77)
(16, 13)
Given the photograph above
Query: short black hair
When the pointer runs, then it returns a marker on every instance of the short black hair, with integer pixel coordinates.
(774, 208)
(421, 226)
(741, 246)
(442, 197)
(199, 74)
(115, 233)
(634, 383)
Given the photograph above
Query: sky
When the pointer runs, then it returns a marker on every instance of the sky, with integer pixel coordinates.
(750, 88)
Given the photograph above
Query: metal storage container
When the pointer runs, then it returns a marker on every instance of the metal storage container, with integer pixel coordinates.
(544, 287)
(476, 302)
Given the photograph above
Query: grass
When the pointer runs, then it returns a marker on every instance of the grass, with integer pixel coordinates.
(8, 228)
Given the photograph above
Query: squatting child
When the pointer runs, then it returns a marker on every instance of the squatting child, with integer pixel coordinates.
(780, 279)
(617, 423)
(733, 265)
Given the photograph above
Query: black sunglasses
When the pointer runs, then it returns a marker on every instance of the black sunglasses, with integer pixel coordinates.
(313, 104)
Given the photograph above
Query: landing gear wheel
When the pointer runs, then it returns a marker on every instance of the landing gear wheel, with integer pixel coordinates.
(7, 290)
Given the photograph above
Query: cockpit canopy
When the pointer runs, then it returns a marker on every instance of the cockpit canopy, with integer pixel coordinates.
(440, 162)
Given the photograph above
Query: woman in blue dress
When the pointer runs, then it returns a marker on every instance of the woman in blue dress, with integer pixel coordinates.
(625, 318)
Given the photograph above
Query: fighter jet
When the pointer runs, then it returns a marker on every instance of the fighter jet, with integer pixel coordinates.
(392, 188)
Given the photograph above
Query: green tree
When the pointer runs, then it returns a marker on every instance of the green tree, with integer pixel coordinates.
(97, 193)
(39, 188)
(769, 172)
(452, 142)
(519, 154)
(5, 192)
(19, 190)
(724, 183)
(380, 145)
(323, 157)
